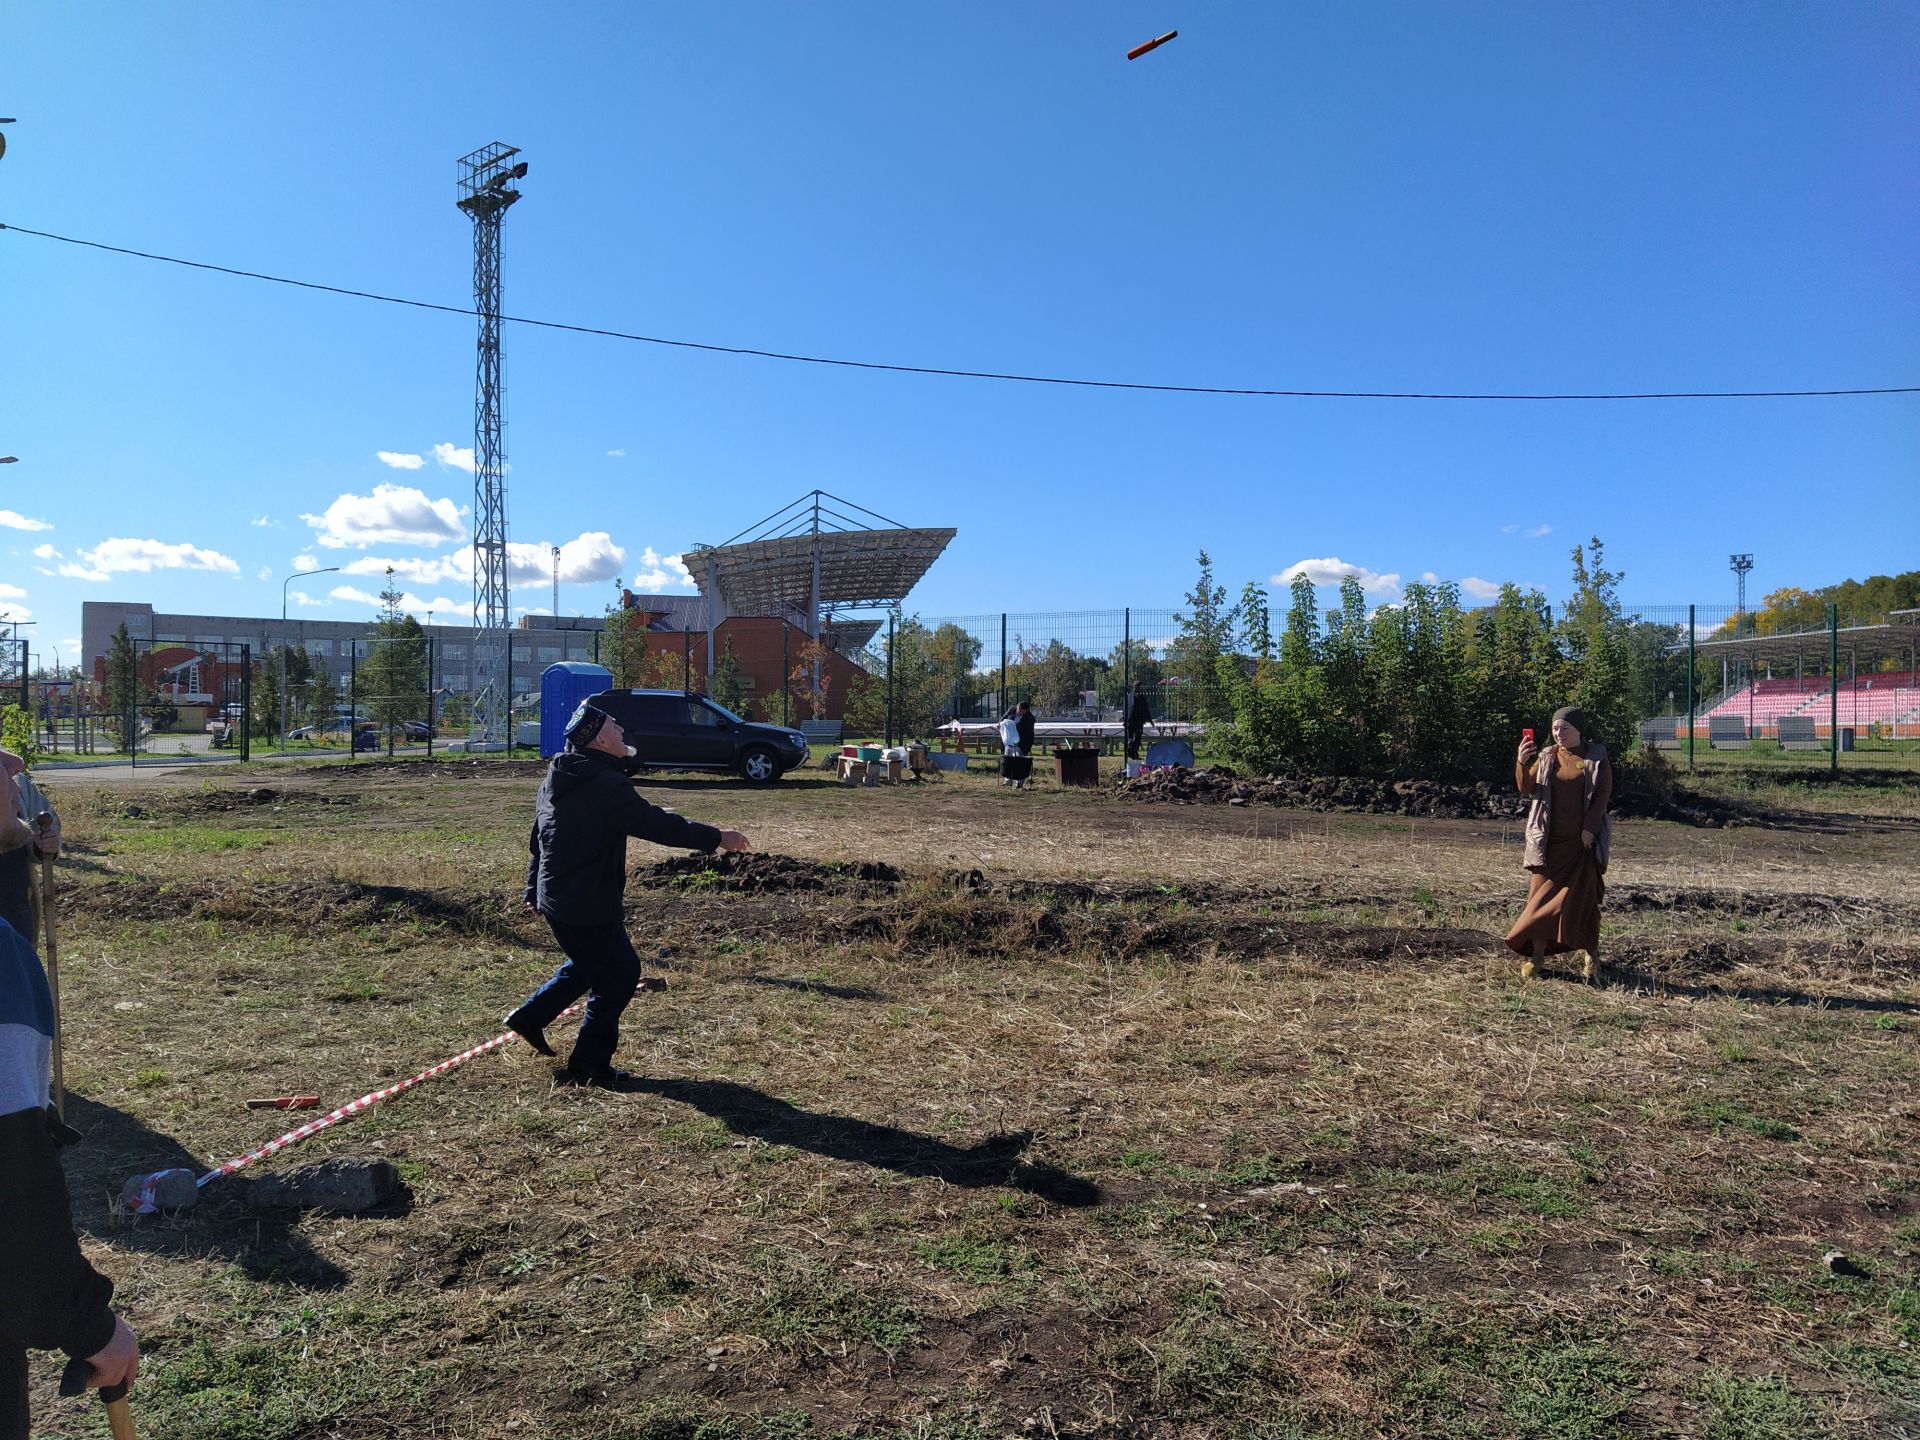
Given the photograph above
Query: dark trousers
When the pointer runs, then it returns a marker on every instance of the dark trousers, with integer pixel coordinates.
(13, 1393)
(600, 965)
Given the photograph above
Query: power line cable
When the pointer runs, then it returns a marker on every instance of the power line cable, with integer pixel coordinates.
(956, 373)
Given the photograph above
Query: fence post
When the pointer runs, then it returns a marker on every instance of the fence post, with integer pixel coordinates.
(430, 692)
(889, 678)
(1003, 663)
(786, 676)
(1126, 666)
(246, 703)
(1690, 696)
(1833, 688)
(353, 698)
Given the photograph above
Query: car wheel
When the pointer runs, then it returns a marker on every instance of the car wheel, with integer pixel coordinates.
(759, 765)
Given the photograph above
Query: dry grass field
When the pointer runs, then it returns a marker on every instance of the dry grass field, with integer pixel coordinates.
(976, 1114)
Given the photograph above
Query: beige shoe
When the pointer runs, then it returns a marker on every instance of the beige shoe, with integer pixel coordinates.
(1589, 967)
(1528, 969)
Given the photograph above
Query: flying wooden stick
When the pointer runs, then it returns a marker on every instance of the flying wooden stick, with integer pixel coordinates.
(1153, 44)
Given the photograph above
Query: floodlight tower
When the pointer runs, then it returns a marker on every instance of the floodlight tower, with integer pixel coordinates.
(556, 582)
(1740, 565)
(485, 189)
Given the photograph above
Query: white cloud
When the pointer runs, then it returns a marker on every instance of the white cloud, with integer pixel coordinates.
(1429, 578)
(124, 556)
(410, 603)
(1480, 589)
(399, 460)
(391, 515)
(14, 520)
(657, 574)
(10, 611)
(414, 570)
(300, 597)
(263, 522)
(453, 457)
(1333, 570)
(306, 562)
(616, 454)
(265, 572)
(11, 592)
(1529, 532)
(587, 559)
(71, 644)
(46, 552)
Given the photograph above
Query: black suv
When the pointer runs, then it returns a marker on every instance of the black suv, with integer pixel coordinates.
(673, 730)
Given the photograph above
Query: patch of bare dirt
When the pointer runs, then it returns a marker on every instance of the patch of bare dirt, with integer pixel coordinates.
(765, 874)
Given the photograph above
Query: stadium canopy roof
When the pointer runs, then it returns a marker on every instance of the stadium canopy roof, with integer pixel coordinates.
(849, 637)
(819, 554)
(1893, 638)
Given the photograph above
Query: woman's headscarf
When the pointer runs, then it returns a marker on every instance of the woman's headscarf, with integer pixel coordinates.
(1577, 718)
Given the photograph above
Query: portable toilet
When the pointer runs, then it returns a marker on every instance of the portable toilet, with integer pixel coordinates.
(562, 688)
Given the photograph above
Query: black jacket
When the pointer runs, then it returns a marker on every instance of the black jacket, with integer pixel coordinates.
(577, 851)
(50, 1297)
(1025, 722)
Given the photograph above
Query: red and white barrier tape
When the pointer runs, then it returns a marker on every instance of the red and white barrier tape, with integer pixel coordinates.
(365, 1102)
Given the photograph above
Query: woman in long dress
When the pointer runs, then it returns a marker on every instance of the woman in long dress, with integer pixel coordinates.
(1568, 840)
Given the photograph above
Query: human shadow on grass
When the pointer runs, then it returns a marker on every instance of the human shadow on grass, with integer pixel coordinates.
(995, 1161)
(263, 1243)
(1620, 977)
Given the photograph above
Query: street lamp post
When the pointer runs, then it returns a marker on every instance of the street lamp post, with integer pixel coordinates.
(298, 575)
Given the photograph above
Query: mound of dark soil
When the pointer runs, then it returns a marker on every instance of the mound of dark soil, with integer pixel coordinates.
(759, 874)
(1218, 785)
(1779, 907)
(309, 905)
(1435, 799)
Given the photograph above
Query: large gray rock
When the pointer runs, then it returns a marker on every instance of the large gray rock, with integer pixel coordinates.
(345, 1185)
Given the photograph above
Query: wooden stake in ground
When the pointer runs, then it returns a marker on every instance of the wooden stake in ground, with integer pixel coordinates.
(45, 827)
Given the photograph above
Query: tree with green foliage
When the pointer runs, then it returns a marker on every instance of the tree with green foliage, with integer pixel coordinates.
(394, 675)
(1130, 663)
(1206, 634)
(726, 686)
(1593, 634)
(19, 734)
(310, 693)
(123, 685)
(953, 652)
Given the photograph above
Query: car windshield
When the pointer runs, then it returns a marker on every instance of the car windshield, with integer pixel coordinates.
(714, 705)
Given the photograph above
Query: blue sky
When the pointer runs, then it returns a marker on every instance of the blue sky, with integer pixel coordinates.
(1461, 197)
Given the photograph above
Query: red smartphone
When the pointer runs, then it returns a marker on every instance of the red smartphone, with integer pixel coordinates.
(1526, 737)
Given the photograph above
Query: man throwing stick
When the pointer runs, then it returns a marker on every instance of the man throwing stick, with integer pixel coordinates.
(576, 878)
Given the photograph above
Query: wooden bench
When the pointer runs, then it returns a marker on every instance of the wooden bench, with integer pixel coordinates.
(1661, 734)
(1797, 732)
(1727, 732)
(822, 732)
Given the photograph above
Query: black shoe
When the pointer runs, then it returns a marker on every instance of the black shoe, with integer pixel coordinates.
(602, 1077)
(534, 1035)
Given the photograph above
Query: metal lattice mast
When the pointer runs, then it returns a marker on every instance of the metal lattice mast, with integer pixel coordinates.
(486, 192)
(556, 582)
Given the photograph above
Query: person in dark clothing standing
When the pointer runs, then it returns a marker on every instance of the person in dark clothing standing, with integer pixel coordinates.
(50, 1297)
(576, 879)
(1016, 758)
(1139, 715)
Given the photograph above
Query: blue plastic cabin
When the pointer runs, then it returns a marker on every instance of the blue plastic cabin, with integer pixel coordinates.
(562, 688)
